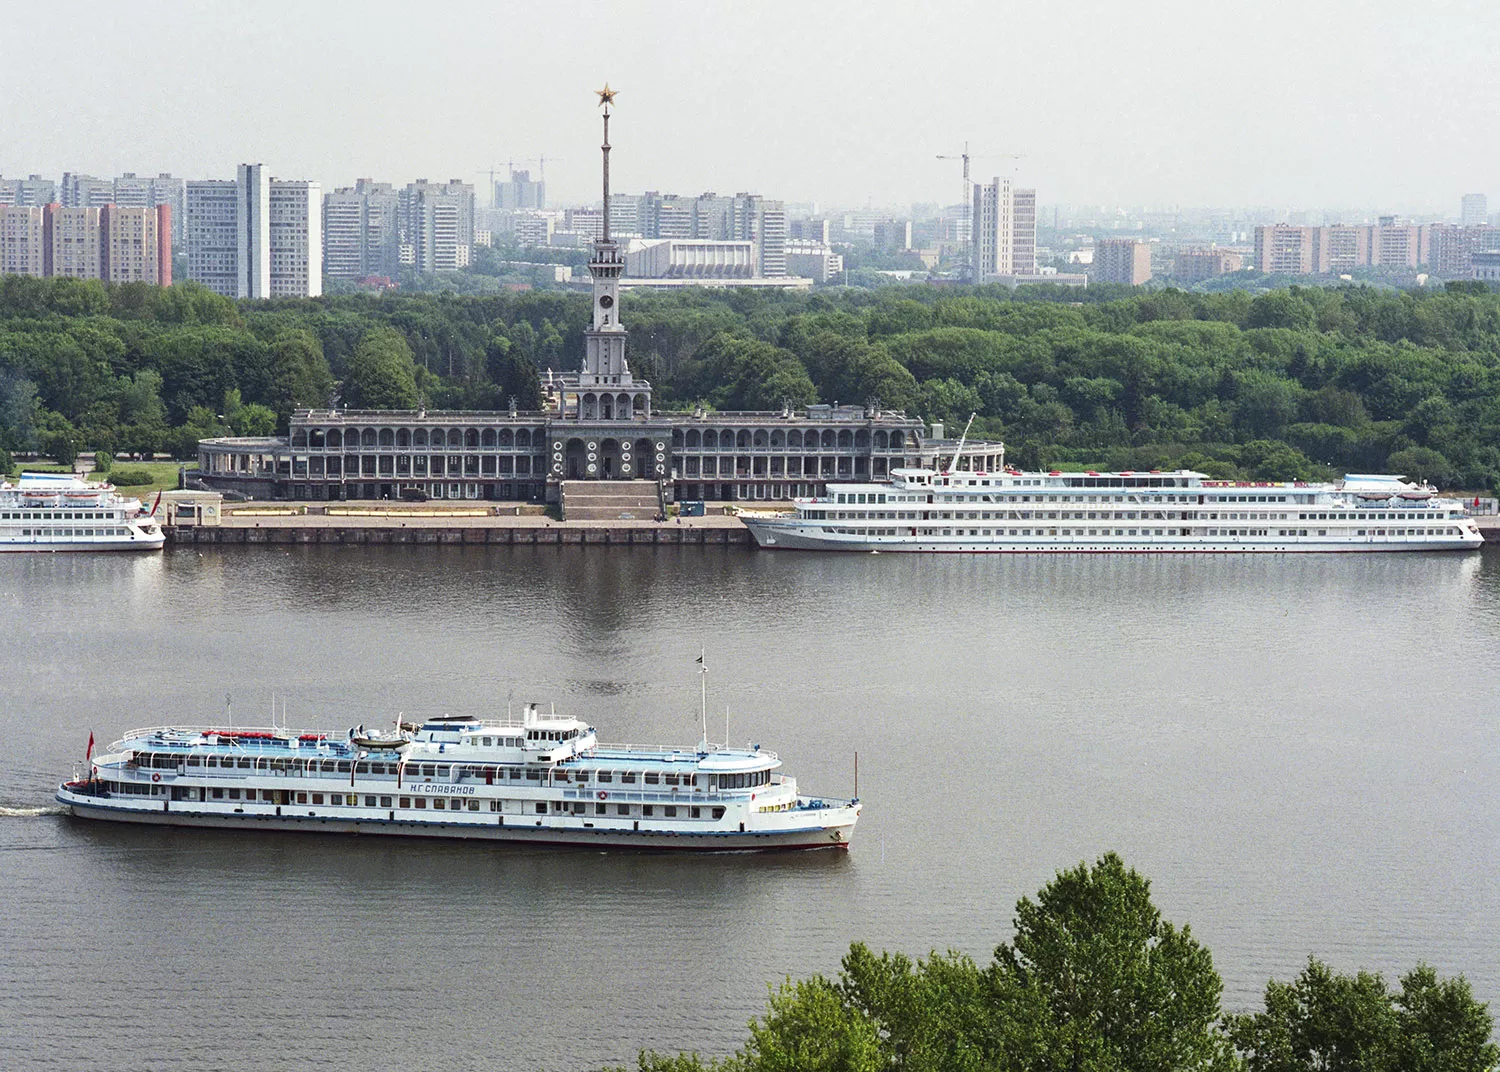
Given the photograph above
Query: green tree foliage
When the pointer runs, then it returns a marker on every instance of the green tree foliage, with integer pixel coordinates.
(382, 374)
(1324, 1021)
(1095, 980)
(1294, 382)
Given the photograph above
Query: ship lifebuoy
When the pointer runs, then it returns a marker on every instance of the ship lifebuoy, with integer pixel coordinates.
(156, 777)
(603, 795)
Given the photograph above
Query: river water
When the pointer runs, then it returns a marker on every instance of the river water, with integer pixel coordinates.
(1300, 752)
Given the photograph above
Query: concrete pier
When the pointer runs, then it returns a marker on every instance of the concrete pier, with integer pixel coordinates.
(285, 524)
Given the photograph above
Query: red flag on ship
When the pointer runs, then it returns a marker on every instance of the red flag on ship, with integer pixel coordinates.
(88, 753)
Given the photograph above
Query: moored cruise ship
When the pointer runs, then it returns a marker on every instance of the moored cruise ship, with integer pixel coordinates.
(967, 510)
(48, 512)
(543, 778)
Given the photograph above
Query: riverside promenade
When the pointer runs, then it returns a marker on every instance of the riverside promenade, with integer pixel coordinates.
(323, 523)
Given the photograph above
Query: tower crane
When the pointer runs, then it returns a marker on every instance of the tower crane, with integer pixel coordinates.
(967, 209)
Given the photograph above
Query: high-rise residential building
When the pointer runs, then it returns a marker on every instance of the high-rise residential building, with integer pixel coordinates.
(86, 191)
(520, 192)
(33, 190)
(625, 216)
(809, 230)
(212, 219)
(136, 244)
(362, 231)
(588, 222)
(295, 211)
(23, 246)
(1281, 249)
(239, 247)
(1121, 260)
(1341, 247)
(1450, 250)
(145, 191)
(437, 222)
(76, 247)
(1398, 245)
(1196, 265)
(892, 236)
(813, 260)
(1474, 210)
(1004, 231)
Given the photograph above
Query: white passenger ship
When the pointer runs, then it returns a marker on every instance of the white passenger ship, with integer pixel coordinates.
(543, 779)
(1125, 512)
(47, 512)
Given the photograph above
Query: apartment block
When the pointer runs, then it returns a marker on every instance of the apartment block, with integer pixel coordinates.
(295, 237)
(86, 191)
(75, 234)
(1281, 249)
(813, 260)
(212, 223)
(33, 191)
(711, 217)
(362, 231)
(437, 222)
(1451, 250)
(1474, 210)
(1196, 265)
(23, 246)
(520, 192)
(1121, 260)
(136, 244)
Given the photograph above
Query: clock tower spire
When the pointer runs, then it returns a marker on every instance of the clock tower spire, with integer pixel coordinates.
(604, 342)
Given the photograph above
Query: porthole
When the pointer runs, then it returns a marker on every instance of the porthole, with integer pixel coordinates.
(593, 468)
(557, 445)
(593, 457)
(624, 455)
(661, 457)
(660, 445)
(592, 445)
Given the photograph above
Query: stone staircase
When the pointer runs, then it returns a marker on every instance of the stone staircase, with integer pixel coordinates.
(609, 500)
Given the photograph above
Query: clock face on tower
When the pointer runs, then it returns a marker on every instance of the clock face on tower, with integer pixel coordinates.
(605, 301)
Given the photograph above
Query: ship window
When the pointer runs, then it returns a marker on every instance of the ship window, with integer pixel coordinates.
(670, 811)
(697, 813)
(437, 803)
(473, 805)
(622, 809)
(533, 776)
(604, 776)
(218, 794)
(385, 802)
(194, 761)
(651, 778)
(648, 810)
(485, 741)
(628, 778)
(317, 798)
(234, 794)
(369, 802)
(670, 779)
(541, 807)
(405, 802)
(301, 798)
(362, 768)
(515, 774)
(343, 766)
(244, 764)
(718, 813)
(421, 802)
(494, 805)
(601, 809)
(561, 776)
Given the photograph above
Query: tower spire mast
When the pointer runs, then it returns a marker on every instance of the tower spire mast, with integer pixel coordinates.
(606, 99)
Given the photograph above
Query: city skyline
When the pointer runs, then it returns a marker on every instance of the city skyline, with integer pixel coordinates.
(861, 119)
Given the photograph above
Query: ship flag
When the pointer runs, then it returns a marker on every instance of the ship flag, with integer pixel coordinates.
(88, 753)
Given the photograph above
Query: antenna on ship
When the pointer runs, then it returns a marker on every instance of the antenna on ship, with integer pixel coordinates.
(703, 694)
(229, 708)
(953, 466)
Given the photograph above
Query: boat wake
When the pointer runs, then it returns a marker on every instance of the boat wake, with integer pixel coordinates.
(27, 813)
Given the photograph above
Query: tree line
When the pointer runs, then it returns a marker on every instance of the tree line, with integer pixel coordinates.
(1095, 980)
(1296, 383)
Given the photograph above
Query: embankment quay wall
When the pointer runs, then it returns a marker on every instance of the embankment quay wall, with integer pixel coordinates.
(713, 532)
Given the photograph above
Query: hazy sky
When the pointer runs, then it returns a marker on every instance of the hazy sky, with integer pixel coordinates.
(1314, 103)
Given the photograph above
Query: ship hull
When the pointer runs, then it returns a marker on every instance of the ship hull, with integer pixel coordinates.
(577, 833)
(779, 537)
(75, 546)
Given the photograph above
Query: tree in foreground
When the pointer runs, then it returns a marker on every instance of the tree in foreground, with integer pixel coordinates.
(1327, 1022)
